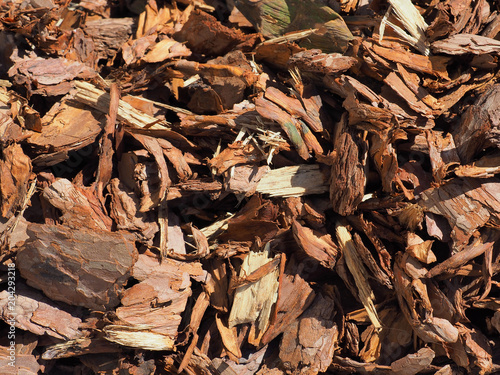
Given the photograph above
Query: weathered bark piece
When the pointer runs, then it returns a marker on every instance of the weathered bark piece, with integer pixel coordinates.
(309, 343)
(177, 158)
(477, 248)
(250, 367)
(229, 76)
(17, 107)
(314, 61)
(218, 284)
(9, 131)
(91, 266)
(487, 166)
(347, 181)
(198, 311)
(149, 267)
(388, 343)
(443, 154)
(413, 81)
(105, 167)
(36, 313)
(236, 153)
(295, 297)
(23, 362)
(466, 203)
(479, 127)
(68, 126)
(15, 172)
(79, 207)
(420, 249)
(434, 65)
(125, 212)
(50, 76)
(109, 34)
(277, 54)
(252, 303)
(204, 34)
(341, 364)
(80, 346)
(416, 305)
(460, 44)
(399, 86)
(370, 263)
(152, 195)
(229, 339)
(243, 179)
(166, 49)
(472, 351)
(413, 363)
(318, 246)
(151, 310)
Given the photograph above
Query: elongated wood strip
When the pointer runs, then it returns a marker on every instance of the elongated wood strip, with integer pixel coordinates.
(90, 95)
(294, 181)
(359, 273)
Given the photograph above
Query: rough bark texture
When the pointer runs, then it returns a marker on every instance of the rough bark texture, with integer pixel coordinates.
(249, 187)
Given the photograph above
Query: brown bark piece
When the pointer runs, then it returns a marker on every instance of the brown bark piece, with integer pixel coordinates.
(204, 34)
(79, 208)
(479, 127)
(23, 362)
(50, 76)
(416, 305)
(413, 363)
(477, 248)
(466, 203)
(177, 158)
(313, 61)
(109, 34)
(87, 277)
(68, 126)
(435, 65)
(152, 195)
(487, 166)
(125, 212)
(276, 54)
(460, 44)
(39, 315)
(236, 153)
(397, 84)
(166, 49)
(15, 172)
(244, 179)
(295, 297)
(309, 343)
(443, 154)
(105, 167)
(348, 174)
(318, 246)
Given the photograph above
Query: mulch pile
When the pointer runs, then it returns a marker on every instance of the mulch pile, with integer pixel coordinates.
(249, 187)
